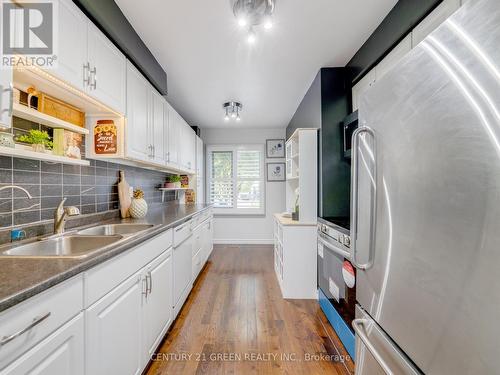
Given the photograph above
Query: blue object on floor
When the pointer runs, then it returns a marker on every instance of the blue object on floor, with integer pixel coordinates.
(338, 324)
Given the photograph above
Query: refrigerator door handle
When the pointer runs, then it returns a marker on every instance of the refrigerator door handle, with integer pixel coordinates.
(359, 328)
(354, 198)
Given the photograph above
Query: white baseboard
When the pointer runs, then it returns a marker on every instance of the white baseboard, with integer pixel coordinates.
(243, 242)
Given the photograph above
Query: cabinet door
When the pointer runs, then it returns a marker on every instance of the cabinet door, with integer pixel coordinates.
(158, 128)
(61, 353)
(6, 90)
(108, 68)
(114, 331)
(138, 143)
(182, 261)
(173, 136)
(6, 98)
(393, 58)
(158, 302)
(434, 20)
(364, 84)
(188, 147)
(72, 49)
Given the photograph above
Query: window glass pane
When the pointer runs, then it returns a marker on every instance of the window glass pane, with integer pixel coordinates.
(221, 185)
(248, 165)
(249, 194)
(222, 164)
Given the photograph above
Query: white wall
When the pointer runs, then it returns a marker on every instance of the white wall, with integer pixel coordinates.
(249, 229)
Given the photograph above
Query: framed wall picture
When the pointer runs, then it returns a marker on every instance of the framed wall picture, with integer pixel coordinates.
(275, 148)
(276, 172)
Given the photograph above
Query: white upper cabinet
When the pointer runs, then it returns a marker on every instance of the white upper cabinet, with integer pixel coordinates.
(6, 94)
(158, 128)
(72, 48)
(173, 136)
(433, 20)
(6, 98)
(188, 147)
(393, 58)
(108, 69)
(138, 144)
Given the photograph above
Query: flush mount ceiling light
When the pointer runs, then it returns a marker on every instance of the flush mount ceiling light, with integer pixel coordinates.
(252, 13)
(232, 110)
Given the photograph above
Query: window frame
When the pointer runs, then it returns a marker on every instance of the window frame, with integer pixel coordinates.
(228, 211)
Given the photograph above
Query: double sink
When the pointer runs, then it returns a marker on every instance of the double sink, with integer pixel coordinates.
(77, 244)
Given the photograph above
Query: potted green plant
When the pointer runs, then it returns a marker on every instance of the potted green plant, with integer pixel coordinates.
(173, 181)
(38, 139)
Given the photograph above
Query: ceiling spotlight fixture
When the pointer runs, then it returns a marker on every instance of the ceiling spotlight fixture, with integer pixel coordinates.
(232, 110)
(253, 13)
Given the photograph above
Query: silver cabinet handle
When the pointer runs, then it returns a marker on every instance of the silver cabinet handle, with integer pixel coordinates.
(333, 248)
(359, 328)
(145, 286)
(148, 276)
(93, 74)
(36, 321)
(86, 74)
(354, 200)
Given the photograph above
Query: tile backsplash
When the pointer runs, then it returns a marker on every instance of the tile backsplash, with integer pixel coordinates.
(93, 189)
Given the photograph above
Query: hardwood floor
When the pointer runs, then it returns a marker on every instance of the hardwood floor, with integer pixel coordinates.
(235, 322)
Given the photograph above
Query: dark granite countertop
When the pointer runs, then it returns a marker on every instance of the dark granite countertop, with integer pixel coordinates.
(22, 278)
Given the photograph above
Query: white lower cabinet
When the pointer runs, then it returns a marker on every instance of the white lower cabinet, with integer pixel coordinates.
(61, 353)
(157, 305)
(182, 272)
(111, 318)
(113, 331)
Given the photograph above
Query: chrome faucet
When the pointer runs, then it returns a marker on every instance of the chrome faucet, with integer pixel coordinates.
(17, 187)
(60, 216)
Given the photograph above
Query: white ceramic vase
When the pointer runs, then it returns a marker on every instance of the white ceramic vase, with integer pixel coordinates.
(138, 208)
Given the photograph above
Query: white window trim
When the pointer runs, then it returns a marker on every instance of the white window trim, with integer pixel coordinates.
(221, 211)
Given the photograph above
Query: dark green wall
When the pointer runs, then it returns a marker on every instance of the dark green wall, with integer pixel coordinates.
(336, 171)
(110, 19)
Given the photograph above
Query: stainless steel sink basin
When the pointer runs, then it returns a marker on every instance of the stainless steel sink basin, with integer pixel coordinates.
(70, 246)
(113, 229)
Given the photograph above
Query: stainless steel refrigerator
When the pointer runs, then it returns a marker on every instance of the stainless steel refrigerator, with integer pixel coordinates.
(425, 220)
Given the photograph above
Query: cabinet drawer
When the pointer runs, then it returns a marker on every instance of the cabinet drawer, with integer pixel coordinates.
(44, 313)
(103, 278)
(182, 232)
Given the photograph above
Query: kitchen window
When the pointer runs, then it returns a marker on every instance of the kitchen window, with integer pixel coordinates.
(235, 183)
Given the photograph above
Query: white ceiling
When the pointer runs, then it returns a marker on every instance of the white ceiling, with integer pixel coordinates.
(208, 60)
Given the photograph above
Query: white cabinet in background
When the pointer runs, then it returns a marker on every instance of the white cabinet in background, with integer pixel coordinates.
(158, 128)
(72, 45)
(182, 259)
(138, 145)
(61, 353)
(434, 20)
(114, 330)
(108, 70)
(200, 171)
(157, 305)
(393, 58)
(364, 84)
(6, 98)
(187, 147)
(173, 136)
